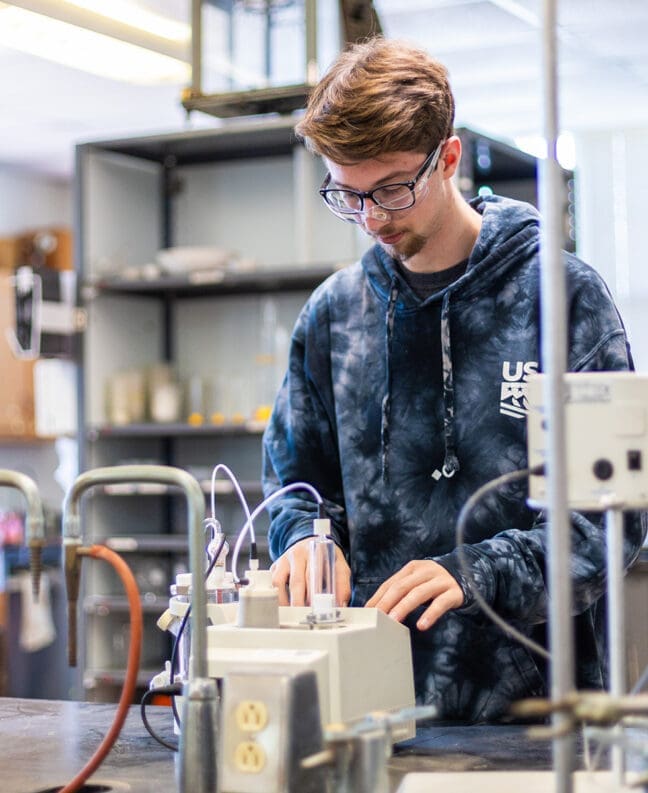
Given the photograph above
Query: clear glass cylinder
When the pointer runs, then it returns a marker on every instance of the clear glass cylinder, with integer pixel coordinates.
(322, 579)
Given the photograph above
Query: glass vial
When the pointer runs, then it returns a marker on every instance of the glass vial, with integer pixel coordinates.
(322, 573)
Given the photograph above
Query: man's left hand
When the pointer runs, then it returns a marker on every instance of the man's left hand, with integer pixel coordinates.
(418, 582)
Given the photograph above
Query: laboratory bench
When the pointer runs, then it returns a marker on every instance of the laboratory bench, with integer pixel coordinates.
(46, 742)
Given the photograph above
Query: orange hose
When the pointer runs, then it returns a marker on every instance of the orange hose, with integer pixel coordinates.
(132, 666)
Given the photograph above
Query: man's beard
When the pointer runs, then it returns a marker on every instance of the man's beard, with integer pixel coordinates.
(409, 246)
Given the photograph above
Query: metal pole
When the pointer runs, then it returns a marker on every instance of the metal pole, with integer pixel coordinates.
(616, 623)
(196, 47)
(554, 358)
(197, 766)
(310, 14)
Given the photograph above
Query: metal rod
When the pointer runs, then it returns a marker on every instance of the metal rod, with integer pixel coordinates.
(554, 358)
(305, 187)
(197, 767)
(196, 47)
(616, 624)
(34, 523)
(159, 474)
(312, 70)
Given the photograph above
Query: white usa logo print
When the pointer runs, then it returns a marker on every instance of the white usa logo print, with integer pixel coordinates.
(513, 390)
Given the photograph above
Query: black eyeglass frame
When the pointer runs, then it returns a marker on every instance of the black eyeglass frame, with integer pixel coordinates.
(430, 164)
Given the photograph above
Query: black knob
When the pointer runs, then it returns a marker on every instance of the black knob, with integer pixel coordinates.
(603, 469)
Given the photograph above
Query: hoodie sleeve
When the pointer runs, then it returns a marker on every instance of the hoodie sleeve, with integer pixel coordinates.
(300, 444)
(509, 569)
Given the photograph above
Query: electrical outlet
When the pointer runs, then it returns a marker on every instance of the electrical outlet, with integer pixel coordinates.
(251, 715)
(249, 757)
(270, 721)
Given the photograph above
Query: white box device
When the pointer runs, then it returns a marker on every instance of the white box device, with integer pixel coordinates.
(606, 424)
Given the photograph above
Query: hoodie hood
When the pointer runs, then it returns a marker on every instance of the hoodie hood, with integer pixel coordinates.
(507, 227)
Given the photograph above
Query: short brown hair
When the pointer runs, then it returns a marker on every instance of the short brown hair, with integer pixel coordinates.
(379, 96)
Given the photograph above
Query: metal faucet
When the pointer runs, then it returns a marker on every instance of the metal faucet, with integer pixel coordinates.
(197, 771)
(35, 523)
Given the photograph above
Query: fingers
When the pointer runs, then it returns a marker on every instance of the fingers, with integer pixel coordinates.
(290, 574)
(280, 577)
(392, 591)
(417, 583)
(446, 601)
(298, 575)
(407, 601)
(378, 594)
(342, 579)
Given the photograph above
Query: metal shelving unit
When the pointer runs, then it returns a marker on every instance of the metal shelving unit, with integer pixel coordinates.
(246, 186)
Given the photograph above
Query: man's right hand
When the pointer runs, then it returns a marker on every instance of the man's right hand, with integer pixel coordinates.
(290, 574)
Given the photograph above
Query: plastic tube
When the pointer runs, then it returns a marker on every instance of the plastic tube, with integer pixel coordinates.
(130, 681)
(239, 493)
(266, 502)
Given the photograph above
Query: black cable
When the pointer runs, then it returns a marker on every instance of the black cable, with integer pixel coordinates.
(467, 508)
(172, 691)
(174, 659)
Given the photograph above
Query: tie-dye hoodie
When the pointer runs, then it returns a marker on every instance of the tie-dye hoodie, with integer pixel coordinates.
(398, 408)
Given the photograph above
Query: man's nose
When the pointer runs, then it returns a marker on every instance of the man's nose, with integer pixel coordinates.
(373, 216)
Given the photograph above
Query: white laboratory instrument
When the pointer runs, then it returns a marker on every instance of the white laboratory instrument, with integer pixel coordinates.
(606, 420)
(362, 662)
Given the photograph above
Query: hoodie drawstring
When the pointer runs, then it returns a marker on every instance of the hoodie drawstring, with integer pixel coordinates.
(386, 402)
(450, 463)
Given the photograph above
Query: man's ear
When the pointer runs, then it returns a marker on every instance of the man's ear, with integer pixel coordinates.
(450, 156)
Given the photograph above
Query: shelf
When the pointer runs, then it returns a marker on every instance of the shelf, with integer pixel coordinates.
(115, 677)
(164, 543)
(201, 283)
(250, 138)
(221, 488)
(27, 440)
(147, 543)
(155, 194)
(103, 605)
(281, 99)
(174, 430)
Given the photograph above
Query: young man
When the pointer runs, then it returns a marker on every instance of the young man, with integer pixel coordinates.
(405, 393)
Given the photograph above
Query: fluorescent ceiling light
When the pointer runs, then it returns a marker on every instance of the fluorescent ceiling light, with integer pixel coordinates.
(88, 50)
(134, 15)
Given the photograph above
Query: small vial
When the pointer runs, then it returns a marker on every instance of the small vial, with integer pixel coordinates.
(220, 584)
(322, 573)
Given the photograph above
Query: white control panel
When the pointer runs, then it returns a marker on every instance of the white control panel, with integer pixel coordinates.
(606, 424)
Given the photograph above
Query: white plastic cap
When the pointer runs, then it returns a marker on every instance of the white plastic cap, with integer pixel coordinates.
(183, 579)
(259, 579)
(321, 527)
(215, 578)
